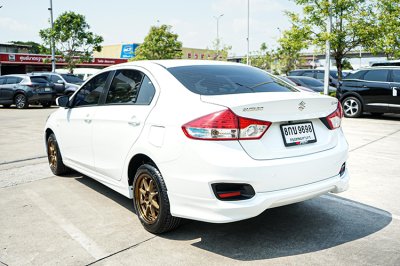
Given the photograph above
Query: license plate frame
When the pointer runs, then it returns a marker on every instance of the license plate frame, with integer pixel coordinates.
(47, 89)
(304, 136)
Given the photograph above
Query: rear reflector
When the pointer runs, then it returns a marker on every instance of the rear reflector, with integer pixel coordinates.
(225, 125)
(229, 194)
(233, 191)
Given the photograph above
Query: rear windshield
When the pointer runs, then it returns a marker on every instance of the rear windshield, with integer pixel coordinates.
(312, 82)
(227, 79)
(72, 79)
(40, 79)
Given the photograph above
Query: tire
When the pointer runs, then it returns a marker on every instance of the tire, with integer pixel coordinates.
(54, 157)
(151, 202)
(352, 107)
(21, 102)
(6, 105)
(46, 105)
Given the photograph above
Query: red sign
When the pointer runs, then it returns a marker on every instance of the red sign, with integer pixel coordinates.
(36, 59)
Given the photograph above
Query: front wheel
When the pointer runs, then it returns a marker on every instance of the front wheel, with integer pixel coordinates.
(21, 101)
(352, 107)
(54, 156)
(151, 201)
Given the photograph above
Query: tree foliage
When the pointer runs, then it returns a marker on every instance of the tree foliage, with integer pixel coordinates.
(263, 58)
(386, 30)
(35, 48)
(352, 25)
(221, 50)
(73, 38)
(160, 43)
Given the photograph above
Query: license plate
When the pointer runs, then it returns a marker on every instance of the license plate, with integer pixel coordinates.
(47, 89)
(298, 134)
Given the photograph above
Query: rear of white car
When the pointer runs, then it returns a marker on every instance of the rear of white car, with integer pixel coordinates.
(246, 152)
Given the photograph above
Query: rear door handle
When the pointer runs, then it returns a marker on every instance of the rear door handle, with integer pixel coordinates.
(87, 119)
(394, 92)
(134, 122)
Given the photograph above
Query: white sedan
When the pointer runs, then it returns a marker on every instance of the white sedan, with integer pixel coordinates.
(210, 141)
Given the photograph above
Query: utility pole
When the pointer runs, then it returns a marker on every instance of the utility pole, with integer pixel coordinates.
(52, 45)
(328, 50)
(217, 19)
(248, 31)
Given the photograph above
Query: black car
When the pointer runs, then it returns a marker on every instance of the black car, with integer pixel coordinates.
(23, 90)
(317, 74)
(375, 90)
(311, 83)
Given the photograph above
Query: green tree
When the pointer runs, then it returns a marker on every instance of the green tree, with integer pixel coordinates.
(291, 43)
(160, 43)
(263, 58)
(221, 50)
(352, 25)
(73, 38)
(387, 28)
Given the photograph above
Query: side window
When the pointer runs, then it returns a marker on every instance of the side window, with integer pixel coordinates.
(2, 80)
(395, 76)
(377, 75)
(90, 93)
(54, 78)
(125, 87)
(308, 74)
(356, 75)
(320, 75)
(13, 80)
(146, 92)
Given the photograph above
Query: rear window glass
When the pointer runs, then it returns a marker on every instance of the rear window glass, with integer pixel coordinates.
(227, 79)
(39, 79)
(312, 82)
(356, 75)
(333, 73)
(395, 76)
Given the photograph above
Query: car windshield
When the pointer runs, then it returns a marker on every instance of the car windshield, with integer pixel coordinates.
(312, 82)
(227, 79)
(72, 79)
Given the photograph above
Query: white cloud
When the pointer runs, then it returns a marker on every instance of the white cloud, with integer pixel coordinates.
(13, 25)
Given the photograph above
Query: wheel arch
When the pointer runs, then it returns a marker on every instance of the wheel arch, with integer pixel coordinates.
(135, 162)
(352, 94)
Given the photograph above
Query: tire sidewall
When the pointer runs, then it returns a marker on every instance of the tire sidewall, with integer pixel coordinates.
(25, 101)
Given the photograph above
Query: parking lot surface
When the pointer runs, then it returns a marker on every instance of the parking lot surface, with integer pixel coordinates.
(73, 220)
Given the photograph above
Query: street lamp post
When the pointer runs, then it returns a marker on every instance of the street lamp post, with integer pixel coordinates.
(217, 19)
(53, 57)
(328, 50)
(248, 31)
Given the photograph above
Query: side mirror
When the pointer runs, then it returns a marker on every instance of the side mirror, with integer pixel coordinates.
(62, 101)
(60, 81)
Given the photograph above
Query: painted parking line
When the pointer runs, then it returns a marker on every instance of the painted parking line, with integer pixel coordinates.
(361, 206)
(86, 242)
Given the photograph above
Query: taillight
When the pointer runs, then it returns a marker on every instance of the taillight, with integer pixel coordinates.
(225, 125)
(335, 119)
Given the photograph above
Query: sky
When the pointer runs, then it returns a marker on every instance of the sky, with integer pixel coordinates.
(129, 21)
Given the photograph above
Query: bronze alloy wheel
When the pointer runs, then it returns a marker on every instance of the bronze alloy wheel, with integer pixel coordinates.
(52, 154)
(147, 198)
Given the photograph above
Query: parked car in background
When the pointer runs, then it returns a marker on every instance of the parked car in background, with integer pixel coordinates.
(311, 83)
(228, 140)
(317, 74)
(286, 79)
(65, 84)
(23, 90)
(82, 72)
(375, 90)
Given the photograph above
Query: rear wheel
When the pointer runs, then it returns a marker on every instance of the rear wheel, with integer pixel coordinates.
(21, 101)
(352, 107)
(46, 105)
(151, 201)
(54, 156)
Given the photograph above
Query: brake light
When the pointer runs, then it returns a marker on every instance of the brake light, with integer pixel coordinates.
(335, 119)
(225, 125)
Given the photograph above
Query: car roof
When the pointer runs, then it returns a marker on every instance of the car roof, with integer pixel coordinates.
(175, 63)
(302, 77)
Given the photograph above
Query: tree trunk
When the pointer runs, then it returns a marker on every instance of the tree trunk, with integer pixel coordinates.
(339, 66)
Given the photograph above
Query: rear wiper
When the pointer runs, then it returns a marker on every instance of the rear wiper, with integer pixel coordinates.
(262, 83)
(241, 85)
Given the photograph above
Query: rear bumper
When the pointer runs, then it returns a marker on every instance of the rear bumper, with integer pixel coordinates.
(276, 182)
(216, 211)
(41, 97)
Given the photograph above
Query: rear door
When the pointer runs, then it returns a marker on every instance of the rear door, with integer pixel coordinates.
(10, 87)
(377, 91)
(394, 104)
(118, 122)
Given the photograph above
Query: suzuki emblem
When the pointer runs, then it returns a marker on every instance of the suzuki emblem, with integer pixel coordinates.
(302, 106)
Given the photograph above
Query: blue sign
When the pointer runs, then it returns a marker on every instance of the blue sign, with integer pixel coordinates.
(128, 50)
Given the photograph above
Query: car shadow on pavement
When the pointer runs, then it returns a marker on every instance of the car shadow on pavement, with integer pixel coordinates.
(305, 227)
(295, 229)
